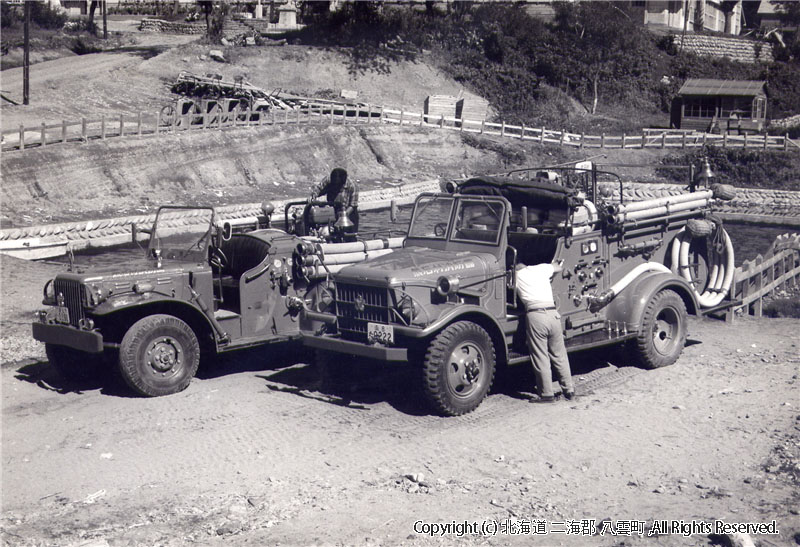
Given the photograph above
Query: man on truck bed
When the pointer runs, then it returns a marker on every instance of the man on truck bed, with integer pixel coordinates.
(544, 334)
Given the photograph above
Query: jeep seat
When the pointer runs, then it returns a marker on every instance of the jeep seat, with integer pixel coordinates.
(244, 253)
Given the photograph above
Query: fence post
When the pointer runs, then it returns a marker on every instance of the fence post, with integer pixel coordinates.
(503, 129)
(623, 141)
(583, 138)
(139, 125)
(745, 141)
(766, 138)
(730, 313)
(461, 126)
(369, 113)
(383, 112)
(483, 123)
(21, 137)
(663, 140)
(84, 136)
(683, 140)
(602, 140)
(561, 138)
(122, 125)
(401, 117)
(725, 140)
(746, 279)
(758, 305)
(358, 113)
(522, 133)
(705, 136)
(331, 116)
(44, 135)
(541, 137)
(785, 143)
(63, 130)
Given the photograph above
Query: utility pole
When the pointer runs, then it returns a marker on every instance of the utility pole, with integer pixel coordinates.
(26, 61)
(105, 21)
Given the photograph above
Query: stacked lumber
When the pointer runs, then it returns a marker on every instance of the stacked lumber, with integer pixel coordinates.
(472, 107)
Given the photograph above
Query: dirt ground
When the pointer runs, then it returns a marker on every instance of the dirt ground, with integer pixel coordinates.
(257, 452)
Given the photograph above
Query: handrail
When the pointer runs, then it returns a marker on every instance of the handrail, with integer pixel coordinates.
(760, 277)
(320, 111)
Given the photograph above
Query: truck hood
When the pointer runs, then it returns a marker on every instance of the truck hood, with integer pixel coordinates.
(125, 269)
(415, 264)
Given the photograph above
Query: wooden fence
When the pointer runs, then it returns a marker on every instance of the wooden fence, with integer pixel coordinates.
(85, 130)
(756, 279)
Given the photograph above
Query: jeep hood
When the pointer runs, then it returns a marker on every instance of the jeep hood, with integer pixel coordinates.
(130, 268)
(415, 264)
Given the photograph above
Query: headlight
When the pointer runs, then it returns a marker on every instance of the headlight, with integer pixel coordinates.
(324, 299)
(49, 294)
(447, 285)
(407, 309)
(98, 295)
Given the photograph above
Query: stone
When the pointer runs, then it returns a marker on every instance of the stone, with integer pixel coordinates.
(217, 55)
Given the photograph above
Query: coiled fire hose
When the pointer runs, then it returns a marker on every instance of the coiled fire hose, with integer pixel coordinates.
(720, 265)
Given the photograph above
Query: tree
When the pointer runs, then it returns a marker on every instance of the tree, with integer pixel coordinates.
(603, 36)
(207, 7)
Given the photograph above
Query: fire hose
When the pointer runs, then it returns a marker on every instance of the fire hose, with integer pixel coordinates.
(721, 261)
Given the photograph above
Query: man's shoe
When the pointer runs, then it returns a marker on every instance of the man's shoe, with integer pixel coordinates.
(544, 399)
(569, 395)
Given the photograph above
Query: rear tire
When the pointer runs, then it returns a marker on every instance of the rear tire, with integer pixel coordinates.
(159, 355)
(663, 330)
(72, 364)
(459, 368)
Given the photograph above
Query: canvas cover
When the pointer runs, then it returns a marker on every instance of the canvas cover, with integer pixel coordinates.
(537, 193)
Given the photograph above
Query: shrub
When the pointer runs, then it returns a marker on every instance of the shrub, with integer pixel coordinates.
(783, 307)
(46, 16)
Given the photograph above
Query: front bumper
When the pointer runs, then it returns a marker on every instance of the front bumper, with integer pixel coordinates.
(338, 345)
(65, 335)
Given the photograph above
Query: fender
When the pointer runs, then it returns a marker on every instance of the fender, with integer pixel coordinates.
(469, 312)
(629, 305)
(141, 305)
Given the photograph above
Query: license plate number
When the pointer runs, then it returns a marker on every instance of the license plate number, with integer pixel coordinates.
(59, 314)
(378, 332)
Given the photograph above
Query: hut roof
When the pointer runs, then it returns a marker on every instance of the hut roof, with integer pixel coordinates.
(704, 86)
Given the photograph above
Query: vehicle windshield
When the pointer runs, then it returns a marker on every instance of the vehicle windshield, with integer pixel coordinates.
(431, 217)
(182, 233)
(478, 220)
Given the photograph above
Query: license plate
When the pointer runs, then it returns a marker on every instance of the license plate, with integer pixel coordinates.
(59, 314)
(378, 332)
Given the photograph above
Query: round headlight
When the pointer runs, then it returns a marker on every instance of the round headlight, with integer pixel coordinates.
(324, 299)
(407, 309)
(49, 293)
(447, 285)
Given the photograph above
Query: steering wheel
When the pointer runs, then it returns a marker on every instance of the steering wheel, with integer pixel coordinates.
(440, 229)
(218, 258)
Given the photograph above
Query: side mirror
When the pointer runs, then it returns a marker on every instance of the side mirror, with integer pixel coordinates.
(511, 267)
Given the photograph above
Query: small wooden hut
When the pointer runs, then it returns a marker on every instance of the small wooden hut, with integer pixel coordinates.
(720, 106)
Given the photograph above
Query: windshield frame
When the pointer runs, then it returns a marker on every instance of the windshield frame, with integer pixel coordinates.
(418, 209)
(197, 249)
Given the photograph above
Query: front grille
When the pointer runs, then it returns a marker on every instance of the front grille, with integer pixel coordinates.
(74, 296)
(353, 322)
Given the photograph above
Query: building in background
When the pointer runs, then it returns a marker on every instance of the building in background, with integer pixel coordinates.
(694, 15)
(720, 106)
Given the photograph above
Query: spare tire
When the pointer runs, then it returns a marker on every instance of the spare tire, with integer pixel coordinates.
(699, 227)
(723, 191)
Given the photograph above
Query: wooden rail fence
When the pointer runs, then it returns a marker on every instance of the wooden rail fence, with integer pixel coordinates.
(143, 124)
(756, 279)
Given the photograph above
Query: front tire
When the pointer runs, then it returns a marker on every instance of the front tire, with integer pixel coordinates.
(459, 368)
(663, 331)
(74, 365)
(159, 355)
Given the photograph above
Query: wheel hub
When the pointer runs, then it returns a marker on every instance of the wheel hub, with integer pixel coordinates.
(163, 354)
(464, 372)
(664, 333)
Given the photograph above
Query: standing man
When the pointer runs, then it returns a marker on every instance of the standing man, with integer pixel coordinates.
(544, 334)
(341, 194)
